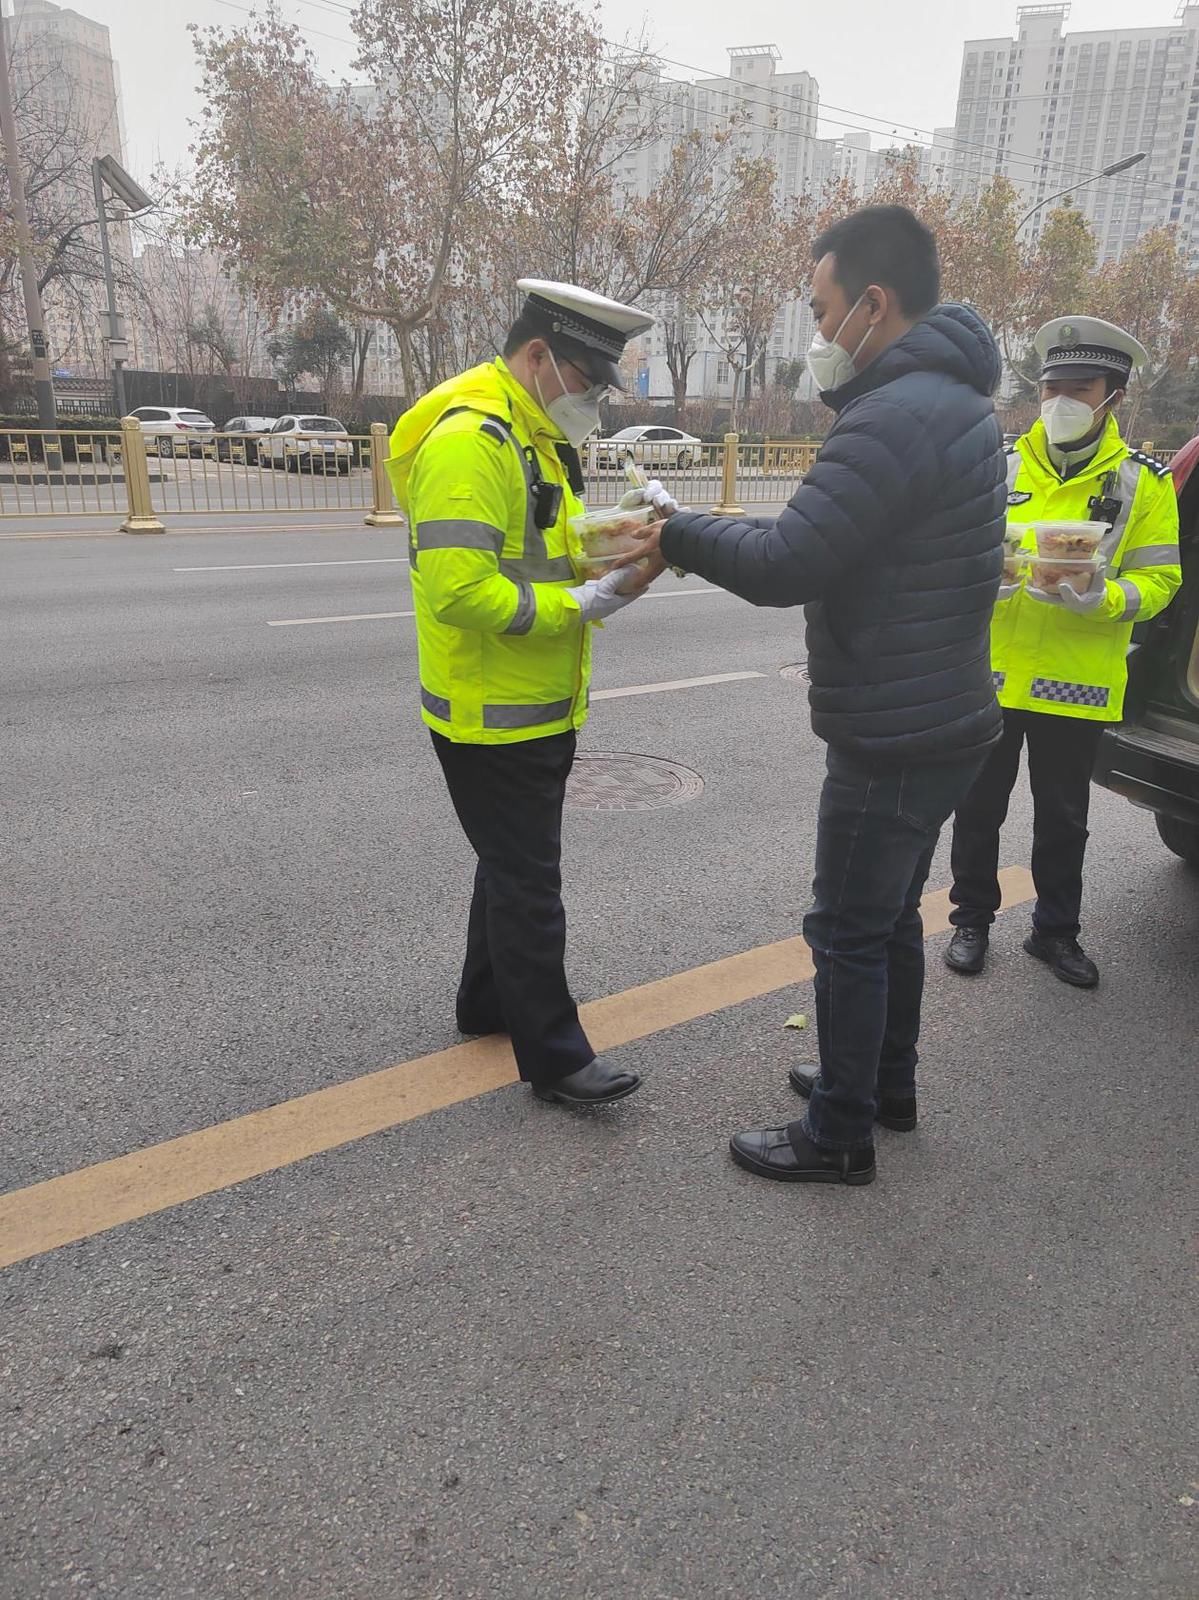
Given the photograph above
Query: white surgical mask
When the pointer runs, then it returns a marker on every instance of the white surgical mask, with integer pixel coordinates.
(1068, 421)
(575, 415)
(831, 365)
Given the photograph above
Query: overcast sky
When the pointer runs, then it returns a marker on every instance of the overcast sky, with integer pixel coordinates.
(897, 60)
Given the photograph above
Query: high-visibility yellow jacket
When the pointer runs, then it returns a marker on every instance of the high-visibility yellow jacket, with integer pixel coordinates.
(1046, 658)
(504, 653)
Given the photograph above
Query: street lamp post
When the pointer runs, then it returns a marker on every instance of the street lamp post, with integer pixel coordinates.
(1108, 172)
(109, 174)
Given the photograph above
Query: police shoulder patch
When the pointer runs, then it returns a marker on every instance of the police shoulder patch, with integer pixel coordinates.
(1142, 459)
(495, 429)
(1018, 498)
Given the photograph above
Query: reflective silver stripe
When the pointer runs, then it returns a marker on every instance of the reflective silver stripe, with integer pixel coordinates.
(1014, 463)
(434, 704)
(526, 610)
(1150, 555)
(1128, 480)
(1069, 694)
(998, 679)
(1133, 599)
(543, 569)
(526, 716)
(458, 533)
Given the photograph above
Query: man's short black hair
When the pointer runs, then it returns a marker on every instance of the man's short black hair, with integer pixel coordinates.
(889, 246)
(527, 327)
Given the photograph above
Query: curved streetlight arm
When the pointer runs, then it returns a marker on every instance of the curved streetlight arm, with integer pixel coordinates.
(1108, 172)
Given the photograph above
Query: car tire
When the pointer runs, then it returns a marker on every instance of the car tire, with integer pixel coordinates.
(1180, 837)
(682, 460)
(293, 464)
(166, 446)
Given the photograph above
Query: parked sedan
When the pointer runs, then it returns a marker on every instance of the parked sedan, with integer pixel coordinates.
(244, 447)
(312, 444)
(174, 430)
(651, 447)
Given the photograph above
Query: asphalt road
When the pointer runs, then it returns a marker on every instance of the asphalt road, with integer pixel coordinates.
(501, 1350)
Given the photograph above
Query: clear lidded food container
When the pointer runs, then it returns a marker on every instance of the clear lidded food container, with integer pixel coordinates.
(1070, 541)
(605, 535)
(1014, 558)
(1051, 573)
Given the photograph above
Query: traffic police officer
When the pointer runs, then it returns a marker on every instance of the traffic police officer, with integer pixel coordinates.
(486, 469)
(1059, 659)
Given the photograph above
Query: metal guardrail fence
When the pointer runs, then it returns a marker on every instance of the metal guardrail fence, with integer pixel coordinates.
(142, 478)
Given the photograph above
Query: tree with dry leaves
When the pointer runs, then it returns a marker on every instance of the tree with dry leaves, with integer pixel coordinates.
(371, 201)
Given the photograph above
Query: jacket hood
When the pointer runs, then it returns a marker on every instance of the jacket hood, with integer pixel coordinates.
(951, 339)
(489, 388)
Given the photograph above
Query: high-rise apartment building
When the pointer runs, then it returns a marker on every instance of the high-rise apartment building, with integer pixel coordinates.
(770, 114)
(1048, 108)
(67, 83)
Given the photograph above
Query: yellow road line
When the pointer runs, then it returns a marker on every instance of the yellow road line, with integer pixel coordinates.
(93, 1199)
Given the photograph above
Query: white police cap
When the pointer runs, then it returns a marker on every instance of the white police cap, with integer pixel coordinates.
(601, 327)
(1088, 347)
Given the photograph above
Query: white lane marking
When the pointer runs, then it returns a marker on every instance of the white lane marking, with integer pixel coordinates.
(365, 616)
(678, 683)
(378, 616)
(262, 566)
(681, 594)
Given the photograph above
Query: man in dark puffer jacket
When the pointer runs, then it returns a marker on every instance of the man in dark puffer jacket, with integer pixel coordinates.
(893, 544)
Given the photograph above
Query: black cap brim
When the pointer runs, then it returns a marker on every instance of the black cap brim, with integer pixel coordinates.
(1086, 370)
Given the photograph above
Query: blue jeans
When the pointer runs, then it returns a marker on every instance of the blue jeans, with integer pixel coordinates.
(876, 833)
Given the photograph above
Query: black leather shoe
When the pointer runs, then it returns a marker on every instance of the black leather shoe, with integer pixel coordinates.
(967, 951)
(893, 1112)
(594, 1085)
(788, 1155)
(1065, 958)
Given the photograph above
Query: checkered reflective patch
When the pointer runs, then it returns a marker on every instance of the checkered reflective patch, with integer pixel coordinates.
(1069, 694)
(998, 679)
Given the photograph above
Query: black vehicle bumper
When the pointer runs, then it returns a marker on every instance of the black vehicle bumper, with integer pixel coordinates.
(1159, 771)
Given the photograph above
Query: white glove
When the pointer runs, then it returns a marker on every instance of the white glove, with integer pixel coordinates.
(1007, 590)
(1090, 600)
(602, 597)
(653, 494)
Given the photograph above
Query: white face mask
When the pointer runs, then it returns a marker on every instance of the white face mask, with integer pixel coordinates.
(1068, 421)
(831, 365)
(575, 415)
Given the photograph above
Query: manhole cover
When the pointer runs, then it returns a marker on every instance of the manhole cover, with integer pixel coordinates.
(603, 782)
(797, 672)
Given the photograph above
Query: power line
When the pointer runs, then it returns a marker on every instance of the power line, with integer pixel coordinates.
(1040, 166)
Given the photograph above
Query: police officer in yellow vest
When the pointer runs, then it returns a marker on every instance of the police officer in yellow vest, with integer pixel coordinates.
(1059, 657)
(486, 469)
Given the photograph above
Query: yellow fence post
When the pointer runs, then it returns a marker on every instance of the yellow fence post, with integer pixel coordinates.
(383, 513)
(727, 505)
(142, 517)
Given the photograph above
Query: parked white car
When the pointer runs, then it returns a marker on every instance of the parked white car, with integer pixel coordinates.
(651, 447)
(174, 430)
(310, 444)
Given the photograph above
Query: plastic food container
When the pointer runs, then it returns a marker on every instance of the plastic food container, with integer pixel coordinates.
(605, 535)
(1051, 573)
(1014, 559)
(1072, 541)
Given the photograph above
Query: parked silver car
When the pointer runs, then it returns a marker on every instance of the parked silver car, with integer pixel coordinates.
(244, 447)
